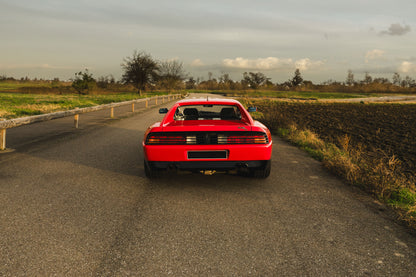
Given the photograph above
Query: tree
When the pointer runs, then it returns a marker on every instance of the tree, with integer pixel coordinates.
(381, 80)
(139, 70)
(350, 78)
(191, 83)
(408, 82)
(225, 81)
(83, 82)
(254, 80)
(55, 83)
(211, 84)
(367, 79)
(297, 79)
(171, 74)
(397, 80)
(105, 81)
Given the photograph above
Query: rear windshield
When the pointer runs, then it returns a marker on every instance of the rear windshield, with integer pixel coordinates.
(207, 112)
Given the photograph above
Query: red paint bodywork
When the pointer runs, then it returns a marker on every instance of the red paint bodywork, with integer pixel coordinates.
(236, 152)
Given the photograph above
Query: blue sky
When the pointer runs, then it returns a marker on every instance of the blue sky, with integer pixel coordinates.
(323, 38)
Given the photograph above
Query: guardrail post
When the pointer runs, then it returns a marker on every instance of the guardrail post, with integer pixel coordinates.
(112, 112)
(163, 99)
(147, 103)
(156, 100)
(2, 139)
(76, 120)
(132, 107)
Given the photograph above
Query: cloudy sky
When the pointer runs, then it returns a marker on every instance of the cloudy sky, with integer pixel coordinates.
(323, 38)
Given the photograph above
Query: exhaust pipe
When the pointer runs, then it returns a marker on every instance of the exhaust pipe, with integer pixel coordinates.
(172, 167)
(243, 165)
(208, 172)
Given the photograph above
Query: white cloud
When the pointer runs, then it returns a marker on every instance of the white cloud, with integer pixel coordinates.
(305, 64)
(270, 63)
(407, 67)
(374, 54)
(197, 63)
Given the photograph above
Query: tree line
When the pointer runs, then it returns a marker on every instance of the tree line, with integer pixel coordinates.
(144, 73)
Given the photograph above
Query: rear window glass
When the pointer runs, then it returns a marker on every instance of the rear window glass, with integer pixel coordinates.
(207, 112)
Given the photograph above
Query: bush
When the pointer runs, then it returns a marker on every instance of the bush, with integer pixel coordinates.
(84, 82)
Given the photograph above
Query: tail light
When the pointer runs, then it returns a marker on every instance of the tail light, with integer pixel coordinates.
(256, 139)
(163, 139)
(202, 138)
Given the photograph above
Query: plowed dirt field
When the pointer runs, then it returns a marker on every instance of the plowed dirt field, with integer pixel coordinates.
(387, 127)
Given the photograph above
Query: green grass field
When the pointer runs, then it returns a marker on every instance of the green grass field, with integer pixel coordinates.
(13, 105)
(14, 86)
(9, 86)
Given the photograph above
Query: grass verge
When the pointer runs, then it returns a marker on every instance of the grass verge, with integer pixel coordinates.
(13, 105)
(381, 176)
(375, 172)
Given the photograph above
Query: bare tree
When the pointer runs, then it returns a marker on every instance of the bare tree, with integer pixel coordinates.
(367, 79)
(350, 78)
(408, 82)
(397, 80)
(171, 74)
(225, 81)
(105, 81)
(139, 70)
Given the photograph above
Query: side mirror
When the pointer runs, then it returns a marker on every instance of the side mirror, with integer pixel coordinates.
(163, 110)
(252, 109)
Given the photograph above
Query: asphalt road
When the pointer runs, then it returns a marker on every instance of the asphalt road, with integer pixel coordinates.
(77, 203)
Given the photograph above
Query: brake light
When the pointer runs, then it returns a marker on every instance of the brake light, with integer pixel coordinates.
(202, 138)
(160, 139)
(257, 139)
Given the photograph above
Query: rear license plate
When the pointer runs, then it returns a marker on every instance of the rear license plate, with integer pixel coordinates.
(222, 154)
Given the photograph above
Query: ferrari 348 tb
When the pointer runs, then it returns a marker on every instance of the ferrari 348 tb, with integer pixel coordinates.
(208, 135)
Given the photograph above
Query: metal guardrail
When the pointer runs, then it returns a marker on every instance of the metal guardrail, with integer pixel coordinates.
(11, 123)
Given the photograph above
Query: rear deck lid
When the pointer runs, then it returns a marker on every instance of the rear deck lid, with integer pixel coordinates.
(206, 125)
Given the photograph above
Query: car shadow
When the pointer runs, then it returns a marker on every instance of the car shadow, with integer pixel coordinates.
(109, 148)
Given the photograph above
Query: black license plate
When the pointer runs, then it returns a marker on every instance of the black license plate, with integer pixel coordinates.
(207, 154)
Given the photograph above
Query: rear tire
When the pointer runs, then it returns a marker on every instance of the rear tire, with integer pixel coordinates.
(150, 173)
(263, 172)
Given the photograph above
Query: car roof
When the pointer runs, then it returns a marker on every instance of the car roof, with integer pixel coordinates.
(199, 101)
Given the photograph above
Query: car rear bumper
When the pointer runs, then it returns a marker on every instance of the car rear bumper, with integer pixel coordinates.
(207, 165)
(234, 153)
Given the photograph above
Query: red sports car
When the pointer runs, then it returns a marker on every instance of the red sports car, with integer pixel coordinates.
(208, 136)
